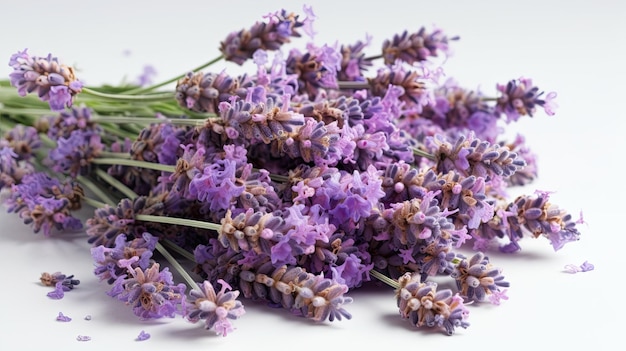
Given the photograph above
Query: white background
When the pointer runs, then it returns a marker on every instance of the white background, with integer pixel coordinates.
(572, 47)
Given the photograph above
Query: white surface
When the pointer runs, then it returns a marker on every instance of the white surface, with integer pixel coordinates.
(575, 48)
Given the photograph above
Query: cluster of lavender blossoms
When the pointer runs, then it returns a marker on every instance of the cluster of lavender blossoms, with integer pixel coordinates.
(292, 185)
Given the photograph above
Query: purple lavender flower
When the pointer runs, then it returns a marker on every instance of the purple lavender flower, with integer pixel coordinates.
(63, 318)
(262, 121)
(477, 278)
(65, 122)
(353, 61)
(146, 76)
(217, 185)
(58, 292)
(250, 230)
(108, 222)
(416, 47)
(23, 140)
(315, 141)
(143, 336)
(520, 97)
(106, 259)
(316, 69)
(585, 267)
(52, 279)
(202, 92)
(240, 46)
(528, 173)
(456, 107)
(46, 203)
(12, 171)
(150, 292)
(469, 155)
(541, 218)
(214, 308)
(414, 93)
(73, 155)
(424, 306)
(50, 80)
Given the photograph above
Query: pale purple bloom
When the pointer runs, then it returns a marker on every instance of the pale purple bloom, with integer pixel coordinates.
(73, 155)
(215, 308)
(143, 336)
(496, 297)
(281, 26)
(58, 292)
(151, 293)
(549, 104)
(308, 21)
(585, 267)
(424, 306)
(520, 97)
(50, 80)
(63, 318)
(147, 76)
(417, 46)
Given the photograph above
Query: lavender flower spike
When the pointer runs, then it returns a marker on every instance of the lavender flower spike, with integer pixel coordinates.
(50, 80)
(472, 156)
(424, 306)
(415, 47)
(240, 46)
(520, 97)
(215, 308)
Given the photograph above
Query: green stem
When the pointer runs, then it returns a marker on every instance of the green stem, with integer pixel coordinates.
(126, 97)
(353, 85)
(179, 250)
(134, 163)
(385, 279)
(116, 184)
(423, 153)
(109, 154)
(96, 190)
(172, 261)
(93, 203)
(156, 86)
(178, 221)
(372, 58)
(148, 120)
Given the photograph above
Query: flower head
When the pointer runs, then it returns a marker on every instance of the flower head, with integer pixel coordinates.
(50, 80)
(150, 292)
(214, 308)
(271, 35)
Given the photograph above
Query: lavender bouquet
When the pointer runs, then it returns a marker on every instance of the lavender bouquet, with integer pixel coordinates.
(321, 170)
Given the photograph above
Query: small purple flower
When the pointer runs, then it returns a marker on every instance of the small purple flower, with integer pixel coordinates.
(143, 336)
(520, 97)
(424, 306)
(416, 47)
(151, 292)
(73, 155)
(46, 203)
(63, 318)
(12, 170)
(497, 296)
(50, 80)
(281, 26)
(147, 76)
(58, 292)
(23, 140)
(585, 267)
(214, 308)
(477, 278)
